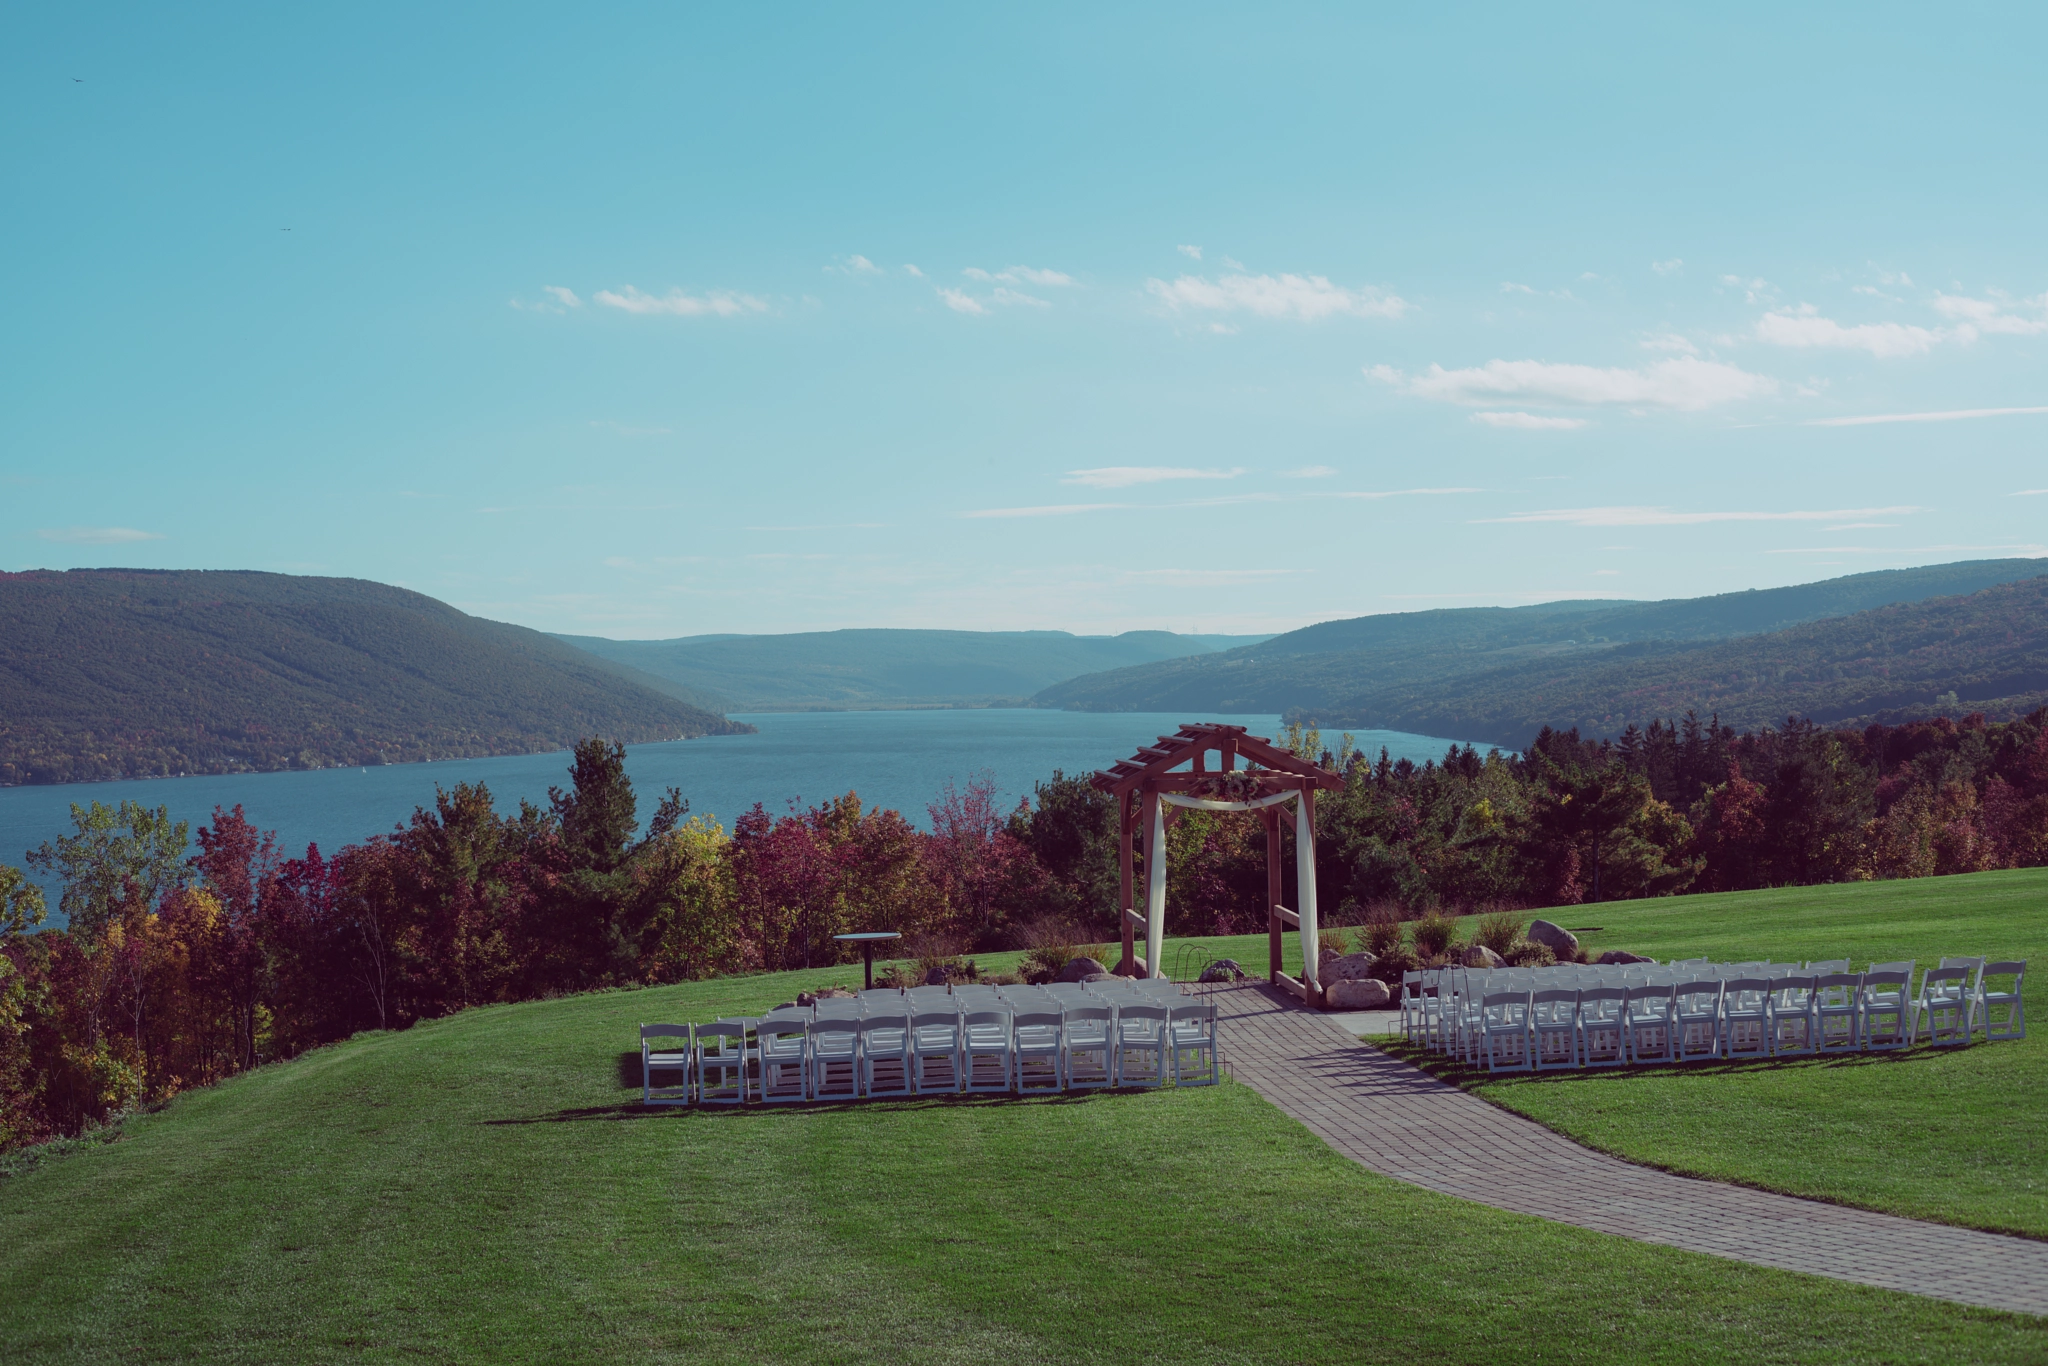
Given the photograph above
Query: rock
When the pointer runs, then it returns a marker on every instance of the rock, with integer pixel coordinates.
(1556, 938)
(1102, 977)
(1079, 969)
(1480, 956)
(1352, 967)
(1624, 956)
(1356, 994)
(1223, 970)
(936, 977)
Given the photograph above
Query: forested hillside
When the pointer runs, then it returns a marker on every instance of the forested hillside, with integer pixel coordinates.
(888, 668)
(1371, 671)
(1983, 652)
(108, 673)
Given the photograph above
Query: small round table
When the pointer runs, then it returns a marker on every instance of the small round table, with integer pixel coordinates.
(867, 939)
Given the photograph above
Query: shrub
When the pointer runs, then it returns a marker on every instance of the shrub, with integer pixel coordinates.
(1523, 954)
(1045, 961)
(1435, 935)
(1500, 932)
(1330, 942)
(1382, 933)
(1389, 966)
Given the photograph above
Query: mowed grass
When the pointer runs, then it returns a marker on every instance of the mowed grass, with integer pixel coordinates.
(1954, 1135)
(484, 1188)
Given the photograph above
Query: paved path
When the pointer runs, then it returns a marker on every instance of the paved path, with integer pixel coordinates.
(1403, 1123)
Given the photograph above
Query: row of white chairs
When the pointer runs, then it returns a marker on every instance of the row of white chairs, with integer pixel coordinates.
(1580, 1016)
(937, 1041)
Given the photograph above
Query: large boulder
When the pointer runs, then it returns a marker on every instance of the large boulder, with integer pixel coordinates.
(1352, 967)
(1480, 956)
(1102, 977)
(811, 998)
(1357, 994)
(1556, 938)
(1624, 956)
(1079, 969)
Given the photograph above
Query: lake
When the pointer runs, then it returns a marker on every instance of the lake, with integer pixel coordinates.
(900, 759)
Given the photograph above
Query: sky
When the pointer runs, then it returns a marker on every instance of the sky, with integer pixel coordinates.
(648, 322)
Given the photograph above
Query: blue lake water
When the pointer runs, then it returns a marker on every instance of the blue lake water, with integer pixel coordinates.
(899, 759)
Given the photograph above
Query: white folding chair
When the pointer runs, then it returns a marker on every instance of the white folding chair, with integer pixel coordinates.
(721, 1057)
(1746, 1019)
(1554, 1028)
(1696, 1020)
(1140, 1045)
(1192, 1033)
(665, 1059)
(1944, 1009)
(1040, 1042)
(1602, 1034)
(885, 1066)
(935, 1051)
(1886, 998)
(1791, 1009)
(1646, 1022)
(988, 1041)
(1411, 1004)
(784, 1046)
(2000, 1011)
(1090, 1057)
(835, 1057)
(1504, 1028)
(1837, 1012)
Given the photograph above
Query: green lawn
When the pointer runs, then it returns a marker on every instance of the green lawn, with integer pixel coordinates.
(482, 1188)
(1957, 1135)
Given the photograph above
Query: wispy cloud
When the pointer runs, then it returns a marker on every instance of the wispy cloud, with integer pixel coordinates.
(1753, 291)
(1053, 510)
(721, 303)
(1025, 275)
(97, 535)
(1125, 476)
(1530, 422)
(856, 265)
(1669, 341)
(2025, 550)
(1510, 287)
(2026, 493)
(1685, 383)
(1948, 415)
(1990, 315)
(1204, 578)
(1658, 516)
(1310, 472)
(909, 269)
(1189, 250)
(1804, 326)
(1397, 493)
(562, 295)
(1305, 297)
(825, 526)
(1667, 267)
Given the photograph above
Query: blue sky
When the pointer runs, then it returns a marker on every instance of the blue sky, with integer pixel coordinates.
(648, 322)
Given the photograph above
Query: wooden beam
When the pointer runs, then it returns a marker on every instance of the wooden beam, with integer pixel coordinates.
(1287, 917)
(1132, 920)
(1281, 979)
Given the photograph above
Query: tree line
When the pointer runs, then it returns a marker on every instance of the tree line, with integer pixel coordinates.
(180, 966)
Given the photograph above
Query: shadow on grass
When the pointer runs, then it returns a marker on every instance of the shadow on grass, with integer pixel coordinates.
(632, 1110)
(1467, 1076)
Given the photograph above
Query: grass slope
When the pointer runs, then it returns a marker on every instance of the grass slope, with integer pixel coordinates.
(110, 673)
(1954, 1135)
(481, 1188)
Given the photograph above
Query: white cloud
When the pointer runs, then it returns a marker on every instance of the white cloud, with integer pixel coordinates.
(1803, 326)
(1396, 493)
(566, 297)
(1685, 383)
(2025, 493)
(1666, 267)
(1026, 275)
(1124, 476)
(1529, 422)
(1952, 415)
(1011, 296)
(1309, 472)
(723, 303)
(913, 270)
(1669, 341)
(1193, 253)
(1055, 510)
(1860, 526)
(857, 265)
(1753, 291)
(961, 303)
(1989, 315)
(1647, 516)
(1511, 287)
(97, 535)
(1307, 297)
(1874, 292)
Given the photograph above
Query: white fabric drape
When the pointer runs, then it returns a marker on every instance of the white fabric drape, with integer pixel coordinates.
(1304, 873)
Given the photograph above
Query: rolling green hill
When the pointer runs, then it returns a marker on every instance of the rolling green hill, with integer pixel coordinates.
(108, 673)
(819, 670)
(1501, 666)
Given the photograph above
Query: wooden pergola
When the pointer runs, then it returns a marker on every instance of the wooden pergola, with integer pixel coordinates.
(1150, 793)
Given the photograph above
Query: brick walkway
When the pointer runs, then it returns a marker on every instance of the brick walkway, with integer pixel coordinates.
(1403, 1123)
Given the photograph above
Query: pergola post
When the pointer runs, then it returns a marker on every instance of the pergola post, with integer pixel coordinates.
(1124, 903)
(1274, 929)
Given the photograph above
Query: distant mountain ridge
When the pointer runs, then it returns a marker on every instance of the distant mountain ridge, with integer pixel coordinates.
(1383, 671)
(882, 668)
(108, 673)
